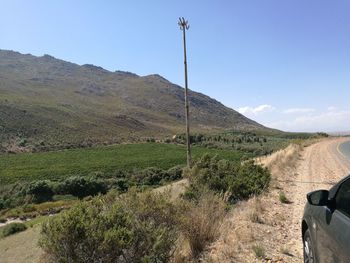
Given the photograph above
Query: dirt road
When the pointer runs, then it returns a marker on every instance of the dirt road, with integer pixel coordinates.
(320, 166)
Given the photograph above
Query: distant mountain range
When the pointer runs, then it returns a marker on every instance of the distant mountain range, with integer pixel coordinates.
(47, 101)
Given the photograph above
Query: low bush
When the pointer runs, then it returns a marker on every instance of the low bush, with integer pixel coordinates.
(251, 179)
(233, 180)
(40, 191)
(13, 228)
(82, 186)
(259, 251)
(174, 173)
(154, 176)
(130, 228)
(283, 198)
(149, 176)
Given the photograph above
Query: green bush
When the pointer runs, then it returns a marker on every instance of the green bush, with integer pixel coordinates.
(23, 143)
(130, 228)
(283, 198)
(82, 186)
(120, 184)
(2, 204)
(13, 228)
(40, 191)
(251, 179)
(234, 180)
(174, 173)
(155, 176)
(259, 251)
(149, 176)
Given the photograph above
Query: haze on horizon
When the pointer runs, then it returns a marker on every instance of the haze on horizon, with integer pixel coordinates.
(284, 64)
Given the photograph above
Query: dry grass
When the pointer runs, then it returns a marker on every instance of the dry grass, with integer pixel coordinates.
(283, 159)
(201, 223)
(174, 189)
(256, 211)
(237, 232)
(21, 247)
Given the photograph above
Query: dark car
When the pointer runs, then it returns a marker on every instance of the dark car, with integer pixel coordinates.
(326, 225)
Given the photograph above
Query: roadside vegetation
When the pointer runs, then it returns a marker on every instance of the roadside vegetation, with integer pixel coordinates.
(143, 226)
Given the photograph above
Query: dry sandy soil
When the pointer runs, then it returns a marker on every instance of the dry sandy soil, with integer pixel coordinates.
(266, 230)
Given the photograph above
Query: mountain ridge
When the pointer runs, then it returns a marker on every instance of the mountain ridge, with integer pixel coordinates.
(46, 100)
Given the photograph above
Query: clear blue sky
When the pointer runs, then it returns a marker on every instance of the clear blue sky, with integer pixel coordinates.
(285, 63)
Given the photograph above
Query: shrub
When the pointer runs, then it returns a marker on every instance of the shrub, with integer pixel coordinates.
(149, 176)
(235, 180)
(129, 228)
(13, 228)
(121, 184)
(259, 251)
(23, 143)
(82, 186)
(2, 204)
(40, 191)
(174, 173)
(283, 198)
(156, 176)
(251, 179)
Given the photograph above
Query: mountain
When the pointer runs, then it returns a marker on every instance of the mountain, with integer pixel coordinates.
(47, 101)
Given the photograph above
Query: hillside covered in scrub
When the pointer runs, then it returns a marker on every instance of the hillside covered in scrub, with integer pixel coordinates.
(46, 102)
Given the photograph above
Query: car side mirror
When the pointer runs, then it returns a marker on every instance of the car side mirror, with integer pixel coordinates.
(318, 198)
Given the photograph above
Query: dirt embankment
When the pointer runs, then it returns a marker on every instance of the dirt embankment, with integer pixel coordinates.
(265, 229)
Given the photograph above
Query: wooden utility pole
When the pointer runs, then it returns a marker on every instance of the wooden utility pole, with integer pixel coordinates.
(185, 26)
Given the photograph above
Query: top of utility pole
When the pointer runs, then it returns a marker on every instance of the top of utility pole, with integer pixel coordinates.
(183, 23)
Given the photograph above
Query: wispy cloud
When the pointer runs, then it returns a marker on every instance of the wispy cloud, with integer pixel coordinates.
(300, 118)
(331, 119)
(332, 108)
(256, 110)
(298, 110)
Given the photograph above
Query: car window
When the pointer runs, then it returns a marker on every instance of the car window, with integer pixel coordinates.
(343, 198)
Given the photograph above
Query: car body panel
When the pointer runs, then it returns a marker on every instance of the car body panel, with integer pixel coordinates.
(329, 230)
